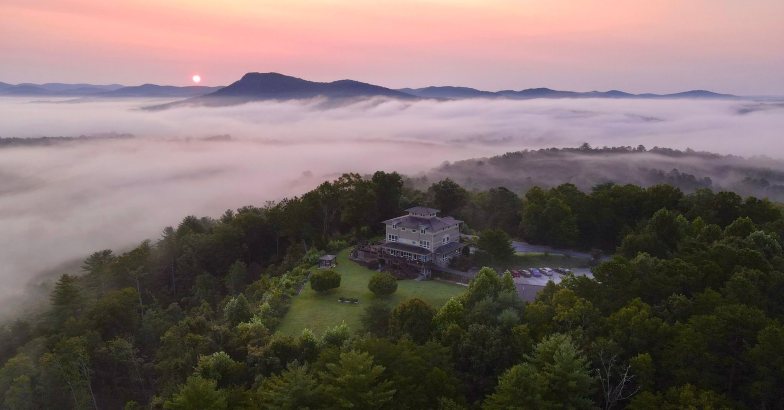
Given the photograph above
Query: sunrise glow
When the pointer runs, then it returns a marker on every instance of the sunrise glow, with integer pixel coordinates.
(495, 44)
(196, 78)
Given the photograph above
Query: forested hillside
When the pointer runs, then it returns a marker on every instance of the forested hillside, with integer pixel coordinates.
(586, 167)
(688, 313)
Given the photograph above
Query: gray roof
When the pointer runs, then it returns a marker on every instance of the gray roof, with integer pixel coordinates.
(407, 248)
(414, 222)
(422, 210)
(327, 258)
(448, 247)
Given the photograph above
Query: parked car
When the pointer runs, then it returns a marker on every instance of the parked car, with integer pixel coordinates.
(564, 271)
(515, 273)
(526, 273)
(535, 272)
(547, 271)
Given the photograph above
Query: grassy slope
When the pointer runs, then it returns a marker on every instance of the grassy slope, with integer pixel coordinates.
(319, 312)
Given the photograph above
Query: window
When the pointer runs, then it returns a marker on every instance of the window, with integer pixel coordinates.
(425, 244)
(392, 238)
(403, 229)
(422, 231)
(445, 239)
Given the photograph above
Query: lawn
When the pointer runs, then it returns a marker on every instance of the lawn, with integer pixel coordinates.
(321, 311)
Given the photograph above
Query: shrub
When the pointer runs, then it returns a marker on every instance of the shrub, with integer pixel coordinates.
(324, 280)
(311, 258)
(382, 284)
(336, 245)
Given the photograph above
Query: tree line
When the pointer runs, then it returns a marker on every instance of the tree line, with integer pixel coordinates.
(687, 313)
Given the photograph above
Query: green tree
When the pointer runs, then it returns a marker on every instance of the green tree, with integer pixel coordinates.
(16, 383)
(421, 374)
(198, 393)
(375, 318)
(335, 336)
(768, 361)
(501, 209)
(388, 188)
(70, 363)
(220, 367)
(481, 354)
(295, 388)
(382, 284)
(20, 394)
(412, 318)
(98, 269)
(554, 376)
(116, 313)
(681, 397)
(357, 198)
(356, 382)
(66, 299)
(237, 277)
(237, 310)
(324, 280)
(448, 196)
(741, 228)
(561, 223)
(497, 244)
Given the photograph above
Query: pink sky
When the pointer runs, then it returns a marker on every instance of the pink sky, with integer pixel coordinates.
(658, 46)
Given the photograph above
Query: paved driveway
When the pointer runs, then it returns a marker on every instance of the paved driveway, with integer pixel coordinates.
(525, 247)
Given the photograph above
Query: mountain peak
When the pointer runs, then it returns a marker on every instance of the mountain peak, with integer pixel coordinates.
(255, 86)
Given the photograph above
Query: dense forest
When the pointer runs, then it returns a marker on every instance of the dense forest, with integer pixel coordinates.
(686, 314)
(586, 166)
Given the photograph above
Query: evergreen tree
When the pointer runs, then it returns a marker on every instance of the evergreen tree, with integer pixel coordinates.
(198, 393)
(295, 388)
(355, 382)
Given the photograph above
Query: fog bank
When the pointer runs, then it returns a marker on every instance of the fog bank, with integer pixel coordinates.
(61, 202)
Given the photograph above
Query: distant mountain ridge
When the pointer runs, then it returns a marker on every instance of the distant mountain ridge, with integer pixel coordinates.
(101, 91)
(256, 86)
(450, 92)
(154, 90)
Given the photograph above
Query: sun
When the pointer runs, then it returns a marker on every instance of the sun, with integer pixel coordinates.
(196, 78)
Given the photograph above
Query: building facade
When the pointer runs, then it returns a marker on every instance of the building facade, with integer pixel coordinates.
(422, 238)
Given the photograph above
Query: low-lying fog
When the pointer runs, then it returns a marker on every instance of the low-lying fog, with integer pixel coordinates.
(60, 202)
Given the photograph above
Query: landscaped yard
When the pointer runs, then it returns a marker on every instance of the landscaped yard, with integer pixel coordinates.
(321, 311)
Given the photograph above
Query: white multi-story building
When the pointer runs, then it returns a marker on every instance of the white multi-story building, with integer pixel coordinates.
(422, 236)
